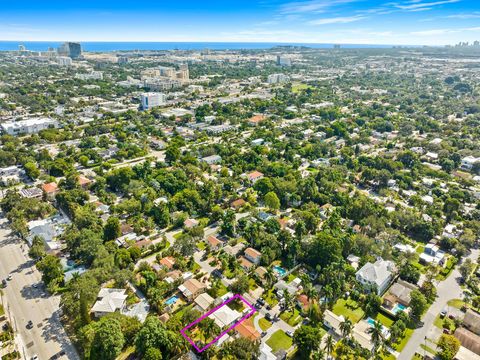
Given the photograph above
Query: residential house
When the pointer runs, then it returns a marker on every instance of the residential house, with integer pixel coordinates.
(256, 119)
(213, 159)
(333, 321)
(260, 272)
(247, 330)
(203, 302)
(30, 193)
(472, 321)
(224, 316)
(109, 301)
(246, 264)
(254, 176)
(253, 255)
(190, 223)
(192, 288)
(214, 243)
(167, 262)
(237, 204)
(432, 254)
(468, 339)
(468, 162)
(377, 276)
(50, 190)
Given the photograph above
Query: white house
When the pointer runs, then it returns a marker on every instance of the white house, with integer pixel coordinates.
(109, 301)
(213, 159)
(378, 275)
(468, 162)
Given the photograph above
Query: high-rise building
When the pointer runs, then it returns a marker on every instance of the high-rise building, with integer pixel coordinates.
(64, 61)
(277, 78)
(183, 73)
(70, 49)
(283, 61)
(21, 48)
(153, 99)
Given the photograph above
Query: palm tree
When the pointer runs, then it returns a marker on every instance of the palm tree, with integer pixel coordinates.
(318, 355)
(209, 328)
(269, 277)
(288, 299)
(329, 344)
(377, 336)
(346, 327)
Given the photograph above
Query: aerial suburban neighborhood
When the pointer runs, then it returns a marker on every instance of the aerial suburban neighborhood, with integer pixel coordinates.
(333, 191)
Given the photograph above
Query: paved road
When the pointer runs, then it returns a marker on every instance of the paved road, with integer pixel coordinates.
(23, 302)
(446, 290)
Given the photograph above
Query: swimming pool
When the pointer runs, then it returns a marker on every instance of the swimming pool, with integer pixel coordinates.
(172, 300)
(398, 307)
(385, 332)
(279, 270)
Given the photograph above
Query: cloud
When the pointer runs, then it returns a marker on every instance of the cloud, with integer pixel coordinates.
(435, 32)
(417, 5)
(473, 15)
(315, 6)
(337, 20)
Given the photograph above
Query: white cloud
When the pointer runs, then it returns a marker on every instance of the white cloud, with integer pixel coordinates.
(337, 20)
(315, 6)
(416, 5)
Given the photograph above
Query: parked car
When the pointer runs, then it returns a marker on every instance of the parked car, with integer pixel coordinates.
(4, 283)
(264, 333)
(9, 277)
(446, 331)
(261, 301)
(29, 324)
(268, 316)
(443, 313)
(289, 333)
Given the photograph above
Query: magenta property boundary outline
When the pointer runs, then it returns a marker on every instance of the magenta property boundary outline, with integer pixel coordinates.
(237, 296)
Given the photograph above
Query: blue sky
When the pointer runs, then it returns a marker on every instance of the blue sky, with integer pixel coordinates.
(414, 22)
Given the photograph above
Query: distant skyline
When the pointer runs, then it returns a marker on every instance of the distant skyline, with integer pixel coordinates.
(402, 22)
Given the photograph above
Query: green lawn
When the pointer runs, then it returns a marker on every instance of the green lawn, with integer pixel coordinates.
(384, 320)
(444, 323)
(348, 308)
(420, 249)
(292, 318)
(279, 340)
(201, 245)
(264, 324)
(297, 87)
(270, 298)
(428, 349)
(408, 334)
(456, 303)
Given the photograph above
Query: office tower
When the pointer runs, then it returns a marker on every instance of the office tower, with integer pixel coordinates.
(153, 99)
(283, 61)
(70, 49)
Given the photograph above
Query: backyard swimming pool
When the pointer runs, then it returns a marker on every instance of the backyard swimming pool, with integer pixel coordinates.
(398, 307)
(172, 300)
(385, 331)
(279, 270)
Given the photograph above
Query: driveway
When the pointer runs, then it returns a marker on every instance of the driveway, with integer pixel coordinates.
(25, 299)
(446, 290)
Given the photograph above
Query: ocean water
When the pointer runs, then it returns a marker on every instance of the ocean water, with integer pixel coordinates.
(131, 46)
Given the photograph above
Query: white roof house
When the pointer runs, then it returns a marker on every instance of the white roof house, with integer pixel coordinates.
(225, 316)
(379, 275)
(109, 301)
